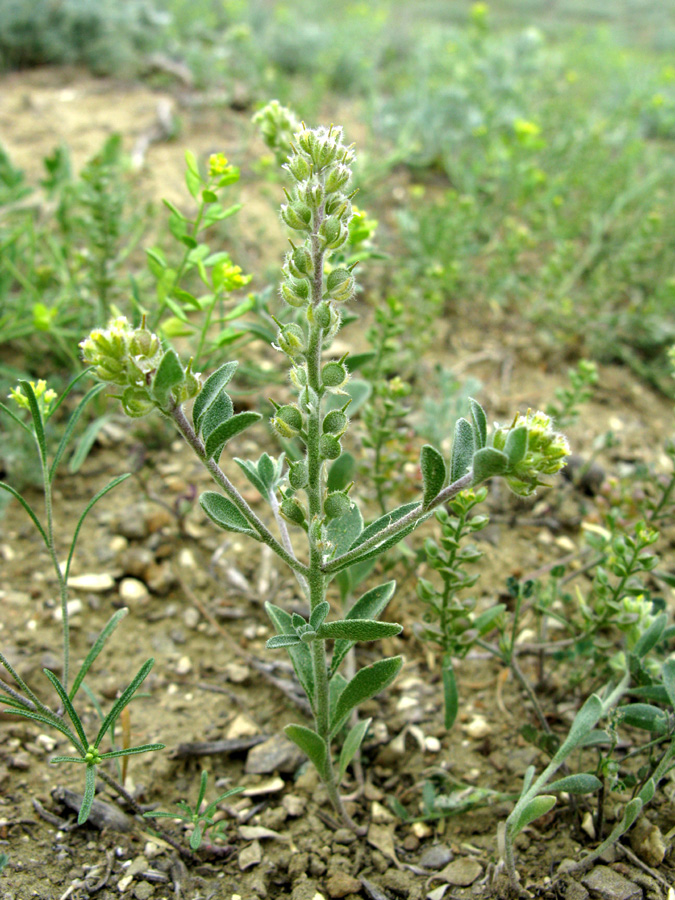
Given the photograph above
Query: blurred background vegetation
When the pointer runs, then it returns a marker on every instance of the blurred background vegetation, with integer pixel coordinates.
(519, 155)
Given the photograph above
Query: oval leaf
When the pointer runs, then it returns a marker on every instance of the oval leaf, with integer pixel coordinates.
(479, 421)
(229, 429)
(282, 640)
(352, 743)
(487, 463)
(516, 445)
(536, 808)
(368, 682)
(343, 531)
(169, 373)
(358, 630)
(646, 717)
(583, 783)
(220, 410)
(369, 606)
(300, 654)
(312, 744)
(211, 388)
(433, 470)
(462, 450)
(225, 514)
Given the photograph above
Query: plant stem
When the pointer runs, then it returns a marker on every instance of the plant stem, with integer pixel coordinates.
(266, 536)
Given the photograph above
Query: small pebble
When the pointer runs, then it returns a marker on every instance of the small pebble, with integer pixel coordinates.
(241, 726)
(186, 559)
(191, 617)
(461, 872)
(131, 590)
(236, 673)
(143, 890)
(295, 805)
(94, 582)
(436, 857)
(478, 727)
(184, 666)
(340, 884)
(277, 754)
(344, 836)
(125, 883)
(607, 884)
(250, 856)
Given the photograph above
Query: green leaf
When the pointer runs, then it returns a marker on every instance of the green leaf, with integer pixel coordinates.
(96, 649)
(220, 410)
(479, 420)
(584, 721)
(485, 621)
(312, 744)
(300, 655)
(169, 373)
(174, 209)
(196, 836)
(367, 682)
(267, 471)
(319, 614)
(351, 745)
(645, 716)
(94, 500)
(67, 705)
(282, 640)
(250, 470)
(89, 791)
(668, 675)
(536, 808)
(225, 514)
(651, 637)
(229, 429)
(72, 422)
(487, 463)
(450, 695)
(516, 445)
(341, 472)
(191, 162)
(209, 196)
(383, 522)
(369, 606)
(343, 531)
(462, 450)
(217, 214)
(358, 630)
(156, 262)
(124, 699)
(210, 390)
(133, 751)
(432, 465)
(528, 778)
(38, 423)
(583, 783)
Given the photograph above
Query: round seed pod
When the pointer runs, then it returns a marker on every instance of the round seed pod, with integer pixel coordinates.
(290, 415)
(298, 475)
(335, 422)
(293, 511)
(291, 340)
(334, 374)
(319, 314)
(300, 263)
(295, 291)
(336, 504)
(340, 285)
(329, 446)
(297, 215)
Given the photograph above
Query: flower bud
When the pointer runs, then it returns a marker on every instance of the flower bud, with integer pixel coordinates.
(334, 374)
(144, 343)
(297, 215)
(338, 178)
(298, 475)
(335, 422)
(295, 291)
(299, 167)
(546, 452)
(329, 446)
(340, 285)
(336, 504)
(292, 510)
(291, 340)
(299, 263)
(312, 192)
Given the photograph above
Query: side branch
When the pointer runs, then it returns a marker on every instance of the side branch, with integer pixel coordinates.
(412, 518)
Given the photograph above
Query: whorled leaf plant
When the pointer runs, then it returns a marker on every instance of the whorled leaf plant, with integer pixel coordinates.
(318, 209)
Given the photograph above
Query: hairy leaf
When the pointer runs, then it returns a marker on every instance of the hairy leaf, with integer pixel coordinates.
(367, 682)
(463, 448)
(351, 745)
(169, 373)
(358, 630)
(583, 783)
(536, 808)
(282, 640)
(210, 390)
(516, 445)
(225, 514)
(487, 463)
(433, 470)
(369, 606)
(229, 429)
(312, 744)
(300, 654)
(479, 420)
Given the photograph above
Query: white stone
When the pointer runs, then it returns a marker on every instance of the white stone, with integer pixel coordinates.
(186, 559)
(241, 726)
(94, 582)
(184, 666)
(191, 617)
(131, 590)
(478, 727)
(46, 741)
(432, 744)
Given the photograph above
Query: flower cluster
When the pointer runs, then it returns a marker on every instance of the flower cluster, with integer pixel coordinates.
(545, 454)
(129, 358)
(44, 396)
